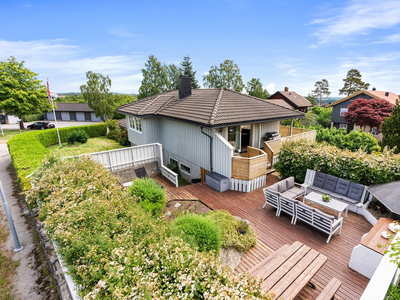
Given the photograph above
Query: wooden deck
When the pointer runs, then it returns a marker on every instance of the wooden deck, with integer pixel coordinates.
(274, 232)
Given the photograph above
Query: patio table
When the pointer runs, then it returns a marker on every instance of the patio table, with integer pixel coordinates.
(334, 204)
(287, 271)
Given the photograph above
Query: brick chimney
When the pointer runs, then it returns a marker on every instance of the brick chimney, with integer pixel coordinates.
(374, 88)
(286, 89)
(185, 86)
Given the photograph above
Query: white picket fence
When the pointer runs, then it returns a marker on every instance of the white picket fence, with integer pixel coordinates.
(133, 156)
(248, 185)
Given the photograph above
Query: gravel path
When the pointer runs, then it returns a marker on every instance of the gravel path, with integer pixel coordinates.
(32, 279)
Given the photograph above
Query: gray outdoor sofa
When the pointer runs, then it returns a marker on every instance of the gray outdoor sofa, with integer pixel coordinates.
(337, 188)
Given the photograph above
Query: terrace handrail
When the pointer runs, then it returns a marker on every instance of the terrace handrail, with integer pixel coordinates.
(248, 168)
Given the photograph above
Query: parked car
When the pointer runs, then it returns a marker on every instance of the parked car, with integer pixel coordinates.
(41, 125)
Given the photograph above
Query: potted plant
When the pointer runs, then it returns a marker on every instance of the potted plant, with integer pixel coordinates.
(326, 198)
(243, 226)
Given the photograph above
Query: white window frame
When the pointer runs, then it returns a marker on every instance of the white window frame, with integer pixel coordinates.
(343, 110)
(186, 166)
(343, 126)
(135, 124)
(172, 160)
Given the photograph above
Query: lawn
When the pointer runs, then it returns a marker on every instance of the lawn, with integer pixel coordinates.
(96, 144)
(9, 133)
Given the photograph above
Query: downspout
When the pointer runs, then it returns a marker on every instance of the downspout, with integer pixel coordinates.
(211, 143)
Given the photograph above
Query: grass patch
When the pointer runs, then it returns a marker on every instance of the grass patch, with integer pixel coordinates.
(7, 269)
(9, 133)
(96, 144)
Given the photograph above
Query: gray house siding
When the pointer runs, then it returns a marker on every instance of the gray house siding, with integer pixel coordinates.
(336, 118)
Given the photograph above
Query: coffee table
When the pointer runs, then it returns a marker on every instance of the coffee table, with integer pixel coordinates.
(335, 205)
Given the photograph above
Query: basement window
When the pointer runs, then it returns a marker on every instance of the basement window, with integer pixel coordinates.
(185, 168)
(173, 161)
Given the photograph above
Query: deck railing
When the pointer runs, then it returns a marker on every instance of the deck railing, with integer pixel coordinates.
(252, 165)
(133, 156)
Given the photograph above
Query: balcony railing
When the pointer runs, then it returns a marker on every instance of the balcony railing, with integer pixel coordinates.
(251, 165)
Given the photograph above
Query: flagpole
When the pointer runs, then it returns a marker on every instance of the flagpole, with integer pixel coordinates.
(54, 113)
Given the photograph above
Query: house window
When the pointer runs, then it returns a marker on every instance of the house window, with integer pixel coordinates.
(135, 124)
(343, 126)
(343, 111)
(374, 131)
(173, 161)
(185, 168)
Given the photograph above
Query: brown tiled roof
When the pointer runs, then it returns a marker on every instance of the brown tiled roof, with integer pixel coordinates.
(281, 102)
(77, 107)
(210, 108)
(293, 98)
(374, 94)
(122, 123)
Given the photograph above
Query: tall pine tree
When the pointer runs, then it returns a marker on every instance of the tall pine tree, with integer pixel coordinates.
(353, 83)
(187, 69)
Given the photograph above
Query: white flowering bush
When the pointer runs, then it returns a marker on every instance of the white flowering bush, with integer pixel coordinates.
(296, 157)
(114, 249)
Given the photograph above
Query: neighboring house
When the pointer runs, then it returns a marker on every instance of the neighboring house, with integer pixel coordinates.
(72, 112)
(339, 108)
(201, 129)
(290, 99)
(8, 119)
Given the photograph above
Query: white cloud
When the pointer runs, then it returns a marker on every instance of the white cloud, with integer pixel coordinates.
(120, 32)
(65, 65)
(360, 17)
(394, 38)
(271, 88)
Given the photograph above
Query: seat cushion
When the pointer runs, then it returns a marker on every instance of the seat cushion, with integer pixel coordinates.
(349, 200)
(355, 191)
(337, 196)
(322, 214)
(319, 179)
(281, 186)
(290, 182)
(289, 194)
(342, 187)
(318, 190)
(296, 190)
(330, 183)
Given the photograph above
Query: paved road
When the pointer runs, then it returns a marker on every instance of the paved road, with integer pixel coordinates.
(59, 123)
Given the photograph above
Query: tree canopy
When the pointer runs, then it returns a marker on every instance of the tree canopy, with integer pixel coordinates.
(321, 88)
(391, 129)
(187, 69)
(254, 88)
(353, 83)
(312, 99)
(173, 74)
(154, 80)
(371, 113)
(226, 75)
(96, 92)
(21, 93)
(324, 115)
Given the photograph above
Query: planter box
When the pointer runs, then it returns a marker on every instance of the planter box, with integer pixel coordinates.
(217, 181)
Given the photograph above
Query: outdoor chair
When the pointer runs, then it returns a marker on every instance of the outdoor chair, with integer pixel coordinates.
(288, 206)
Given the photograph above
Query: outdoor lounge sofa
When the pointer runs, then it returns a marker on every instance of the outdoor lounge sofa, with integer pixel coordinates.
(286, 188)
(337, 188)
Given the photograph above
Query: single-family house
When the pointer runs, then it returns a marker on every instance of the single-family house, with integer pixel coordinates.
(202, 129)
(72, 112)
(339, 108)
(290, 99)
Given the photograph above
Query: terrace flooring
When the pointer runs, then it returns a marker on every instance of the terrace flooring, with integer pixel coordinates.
(274, 232)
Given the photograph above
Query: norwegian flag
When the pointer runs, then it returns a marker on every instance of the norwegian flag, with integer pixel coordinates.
(48, 91)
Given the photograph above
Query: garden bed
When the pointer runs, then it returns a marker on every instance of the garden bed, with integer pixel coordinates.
(178, 206)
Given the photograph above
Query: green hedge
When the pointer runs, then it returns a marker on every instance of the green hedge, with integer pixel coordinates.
(114, 249)
(28, 150)
(296, 157)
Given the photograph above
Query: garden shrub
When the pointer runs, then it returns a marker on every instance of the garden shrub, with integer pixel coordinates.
(114, 249)
(199, 231)
(114, 132)
(28, 150)
(124, 139)
(32, 118)
(296, 157)
(78, 136)
(353, 141)
(229, 226)
(150, 195)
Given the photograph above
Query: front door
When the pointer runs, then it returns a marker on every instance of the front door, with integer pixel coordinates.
(245, 140)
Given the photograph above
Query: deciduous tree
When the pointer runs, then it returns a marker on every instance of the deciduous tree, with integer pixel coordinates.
(154, 80)
(321, 88)
(353, 83)
(226, 75)
(324, 115)
(391, 129)
(96, 93)
(254, 88)
(187, 69)
(312, 99)
(173, 73)
(369, 113)
(21, 93)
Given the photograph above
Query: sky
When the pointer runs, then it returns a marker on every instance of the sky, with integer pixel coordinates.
(284, 43)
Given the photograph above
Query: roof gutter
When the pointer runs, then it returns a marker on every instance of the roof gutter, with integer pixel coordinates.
(211, 144)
